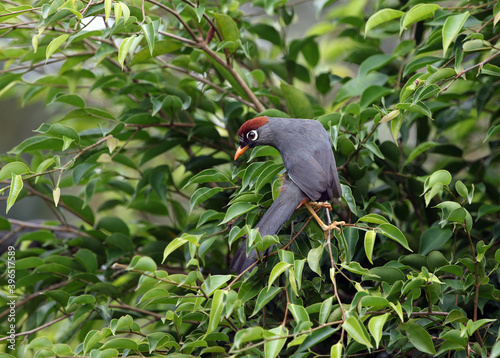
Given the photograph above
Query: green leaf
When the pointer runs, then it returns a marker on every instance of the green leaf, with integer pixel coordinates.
(202, 194)
(59, 131)
(372, 94)
(228, 29)
(487, 209)
(16, 185)
(28, 263)
(315, 337)
(440, 176)
(14, 168)
(325, 310)
(273, 347)
(373, 219)
(492, 131)
(491, 70)
(370, 244)
(267, 175)
(34, 40)
(265, 296)
(418, 150)
(263, 151)
(40, 342)
(355, 328)
(161, 47)
(107, 9)
(372, 147)
(87, 259)
(72, 99)
(276, 272)
(93, 337)
(348, 198)
(178, 242)
(417, 64)
(236, 210)
(418, 13)
(356, 268)
(313, 259)
(381, 17)
(417, 107)
(433, 239)
(142, 263)
(77, 206)
(393, 233)
(336, 350)
(376, 326)
(420, 339)
(452, 27)
(151, 30)
(476, 45)
(120, 343)
(247, 335)
(297, 103)
(124, 49)
(70, 6)
(216, 310)
(207, 176)
(54, 45)
(436, 189)
(299, 313)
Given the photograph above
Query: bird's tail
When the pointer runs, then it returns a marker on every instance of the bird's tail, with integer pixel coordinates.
(272, 221)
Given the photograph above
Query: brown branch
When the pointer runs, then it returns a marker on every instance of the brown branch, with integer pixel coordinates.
(139, 310)
(39, 328)
(461, 73)
(178, 38)
(208, 82)
(360, 146)
(257, 105)
(178, 16)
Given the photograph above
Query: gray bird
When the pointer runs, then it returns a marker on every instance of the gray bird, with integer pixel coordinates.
(306, 149)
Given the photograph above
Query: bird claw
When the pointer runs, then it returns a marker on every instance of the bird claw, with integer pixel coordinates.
(321, 204)
(334, 225)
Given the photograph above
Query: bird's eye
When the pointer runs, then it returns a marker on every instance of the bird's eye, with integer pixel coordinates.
(252, 135)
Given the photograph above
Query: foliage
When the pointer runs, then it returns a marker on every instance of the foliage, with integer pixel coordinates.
(148, 96)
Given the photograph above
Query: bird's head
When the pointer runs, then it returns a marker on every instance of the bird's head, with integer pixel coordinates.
(250, 135)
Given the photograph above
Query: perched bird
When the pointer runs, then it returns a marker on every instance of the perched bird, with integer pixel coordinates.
(306, 149)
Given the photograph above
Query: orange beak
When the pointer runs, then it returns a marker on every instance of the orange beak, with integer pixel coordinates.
(240, 151)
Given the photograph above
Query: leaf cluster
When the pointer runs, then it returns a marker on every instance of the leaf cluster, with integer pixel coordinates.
(136, 166)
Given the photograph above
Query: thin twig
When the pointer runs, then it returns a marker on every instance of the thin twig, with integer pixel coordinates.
(39, 328)
(480, 65)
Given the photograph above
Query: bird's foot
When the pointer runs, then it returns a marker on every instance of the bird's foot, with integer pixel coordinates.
(321, 204)
(333, 226)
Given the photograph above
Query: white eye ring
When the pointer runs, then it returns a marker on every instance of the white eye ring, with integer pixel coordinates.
(253, 135)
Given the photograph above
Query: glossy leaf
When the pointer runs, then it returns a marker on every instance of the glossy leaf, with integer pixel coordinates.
(55, 44)
(380, 17)
(393, 233)
(355, 328)
(418, 13)
(452, 27)
(16, 185)
(420, 339)
(201, 195)
(273, 347)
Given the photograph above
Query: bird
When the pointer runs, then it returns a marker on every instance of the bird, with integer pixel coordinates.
(306, 149)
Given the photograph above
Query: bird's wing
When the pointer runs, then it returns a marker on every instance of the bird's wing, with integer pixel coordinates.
(311, 178)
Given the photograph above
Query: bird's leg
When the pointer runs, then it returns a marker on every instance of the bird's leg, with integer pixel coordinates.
(324, 227)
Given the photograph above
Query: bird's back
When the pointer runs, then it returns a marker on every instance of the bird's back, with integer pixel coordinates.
(306, 149)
